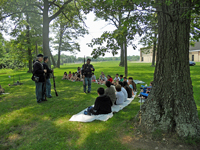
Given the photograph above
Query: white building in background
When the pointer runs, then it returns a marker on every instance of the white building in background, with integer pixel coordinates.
(146, 55)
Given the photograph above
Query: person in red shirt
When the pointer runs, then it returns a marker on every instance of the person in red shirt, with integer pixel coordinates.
(109, 78)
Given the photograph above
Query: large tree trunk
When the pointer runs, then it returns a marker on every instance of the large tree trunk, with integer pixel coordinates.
(60, 43)
(154, 50)
(125, 58)
(170, 106)
(46, 22)
(36, 48)
(122, 56)
(29, 45)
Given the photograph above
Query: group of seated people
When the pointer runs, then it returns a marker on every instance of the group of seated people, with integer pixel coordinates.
(112, 95)
(75, 76)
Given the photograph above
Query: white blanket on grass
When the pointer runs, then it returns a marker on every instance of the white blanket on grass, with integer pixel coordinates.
(81, 117)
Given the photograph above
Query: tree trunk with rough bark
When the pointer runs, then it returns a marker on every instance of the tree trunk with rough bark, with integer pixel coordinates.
(122, 56)
(60, 43)
(29, 44)
(154, 51)
(170, 107)
(36, 48)
(46, 22)
(125, 58)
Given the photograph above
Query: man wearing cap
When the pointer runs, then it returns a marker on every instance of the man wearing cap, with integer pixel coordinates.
(87, 75)
(48, 83)
(39, 71)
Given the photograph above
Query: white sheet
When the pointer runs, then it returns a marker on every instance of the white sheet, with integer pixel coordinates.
(80, 117)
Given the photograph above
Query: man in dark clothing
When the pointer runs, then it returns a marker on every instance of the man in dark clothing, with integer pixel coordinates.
(102, 104)
(87, 75)
(39, 71)
(48, 82)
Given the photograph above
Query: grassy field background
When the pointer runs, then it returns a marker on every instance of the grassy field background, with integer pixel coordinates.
(27, 125)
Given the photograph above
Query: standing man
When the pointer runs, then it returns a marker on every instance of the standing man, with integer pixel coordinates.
(87, 75)
(48, 83)
(38, 75)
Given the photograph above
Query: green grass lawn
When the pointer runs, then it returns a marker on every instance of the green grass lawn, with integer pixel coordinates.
(25, 124)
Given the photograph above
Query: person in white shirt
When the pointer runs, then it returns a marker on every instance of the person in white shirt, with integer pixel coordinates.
(119, 95)
(124, 91)
(116, 79)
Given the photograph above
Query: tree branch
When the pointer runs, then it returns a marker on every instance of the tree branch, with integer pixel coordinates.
(59, 11)
(79, 14)
(113, 22)
(3, 17)
(62, 12)
(36, 6)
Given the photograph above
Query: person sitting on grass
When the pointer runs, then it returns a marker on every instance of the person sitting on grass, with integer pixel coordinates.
(132, 84)
(125, 79)
(128, 89)
(102, 103)
(103, 79)
(109, 78)
(124, 91)
(69, 75)
(116, 79)
(93, 78)
(64, 76)
(73, 77)
(121, 78)
(119, 95)
(77, 77)
(110, 91)
(100, 77)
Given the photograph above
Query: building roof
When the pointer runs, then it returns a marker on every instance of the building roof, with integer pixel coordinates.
(196, 47)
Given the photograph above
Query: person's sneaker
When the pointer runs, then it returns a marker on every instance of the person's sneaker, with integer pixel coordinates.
(142, 101)
(49, 97)
(88, 91)
(85, 92)
(39, 101)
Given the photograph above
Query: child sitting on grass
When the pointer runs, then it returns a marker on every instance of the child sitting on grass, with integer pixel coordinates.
(64, 76)
(128, 89)
(69, 75)
(116, 79)
(121, 78)
(93, 78)
(109, 78)
(73, 77)
(125, 79)
(132, 84)
(102, 104)
(124, 91)
(119, 95)
(110, 91)
(100, 77)
(103, 79)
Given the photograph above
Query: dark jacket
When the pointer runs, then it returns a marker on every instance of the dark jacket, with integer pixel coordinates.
(38, 70)
(48, 70)
(86, 70)
(129, 91)
(102, 105)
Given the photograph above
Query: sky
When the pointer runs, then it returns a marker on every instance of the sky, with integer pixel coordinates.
(95, 28)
